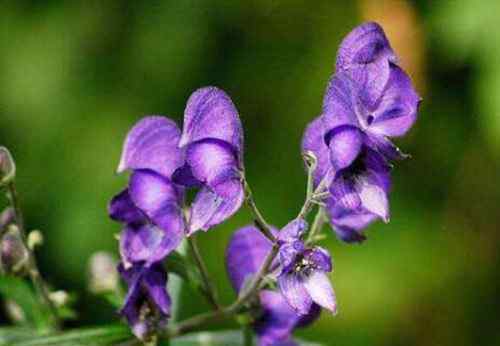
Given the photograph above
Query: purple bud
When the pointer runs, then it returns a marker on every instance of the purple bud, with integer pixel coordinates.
(13, 253)
(7, 166)
(7, 217)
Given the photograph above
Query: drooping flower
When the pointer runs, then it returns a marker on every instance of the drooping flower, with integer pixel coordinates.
(147, 304)
(368, 100)
(207, 154)
(303, 278)
(244, 256)
(150, 209)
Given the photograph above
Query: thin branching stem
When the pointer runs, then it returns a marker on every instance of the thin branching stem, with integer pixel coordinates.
(39, 283)
(209, 287)
(260, 222)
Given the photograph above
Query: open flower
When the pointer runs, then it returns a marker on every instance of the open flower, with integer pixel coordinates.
(245, 255)
(147, 304)
(207, 154)
(368, 100)
(303, 279)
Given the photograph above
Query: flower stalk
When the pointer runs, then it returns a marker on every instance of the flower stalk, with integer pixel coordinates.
(39, 283)
(208, 285)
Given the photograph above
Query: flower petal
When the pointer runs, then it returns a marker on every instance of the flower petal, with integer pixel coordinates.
(363, 45)
(385, 147)
(319, 288)
(314, 141)
(344, 194)
(155, 282)
(152, 144)
(320, 257)
(210, 114)
(212, 207)
(245, 254)
(278, 319)
(288, 253)
(147, 244)
(211, 160)
(373, 196)
(121, 208)
(293, 230)
(345, 145)
(151, 192)
(397, 109)
(292, 288)
(341, 102)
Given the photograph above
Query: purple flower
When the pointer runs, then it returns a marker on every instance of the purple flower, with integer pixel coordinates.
(303, 279)
(147, 304)
(150, 209)
(244, 256)
(368, 100)
(207, 154)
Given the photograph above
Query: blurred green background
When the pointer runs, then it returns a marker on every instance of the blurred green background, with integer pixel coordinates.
(76, 75)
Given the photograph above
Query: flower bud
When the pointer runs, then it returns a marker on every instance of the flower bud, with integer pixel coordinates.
(13, 253)
(7, 217)
(310, 159)
(102, 272)
(14, 311)
(7, 166)
(35, 238)
(59, 298)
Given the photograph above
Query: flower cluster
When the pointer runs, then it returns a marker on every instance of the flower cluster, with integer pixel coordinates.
(164, 162)
(369, 100)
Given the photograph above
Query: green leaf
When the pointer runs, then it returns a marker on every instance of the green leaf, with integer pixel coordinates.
(99, 336)
(35, 313)
(8, 335)
(220, 338)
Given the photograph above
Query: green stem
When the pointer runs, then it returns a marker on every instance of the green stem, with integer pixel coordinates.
(247, 335)
(209, 287)
(40, 285)
(260, 222)
(317, 225)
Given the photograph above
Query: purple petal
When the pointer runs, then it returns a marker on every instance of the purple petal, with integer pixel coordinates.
(373, 196)
(292, 288)
(121, 208)
(152, 192)
(212, 207)
(277, 322)
(341, 102)
(343, 192)
(288, 254)
(320, 257)
(397, 109)
(365, 55)
(155, 282)
(210, 114)
(363, 45)
(320, 290)
(293, 230)
(147, 243)
(211, 161)
(152, 144)
(146, 285)
(184, 176)
(314, 141)
(345, 145)
(245, 254)
(385, 147)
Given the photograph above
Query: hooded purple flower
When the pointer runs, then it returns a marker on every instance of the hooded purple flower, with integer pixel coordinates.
(303, 279)
(244, 256)
(147, 304)
(207, 154)
(368, 100)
